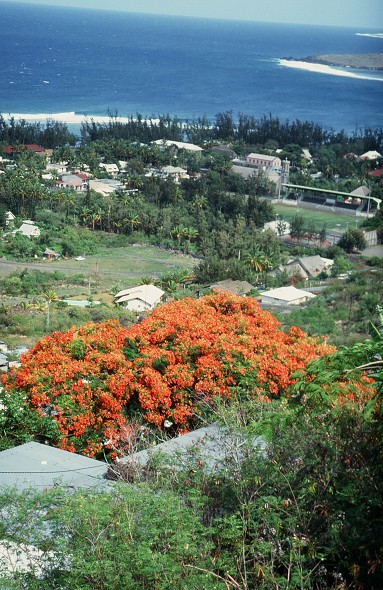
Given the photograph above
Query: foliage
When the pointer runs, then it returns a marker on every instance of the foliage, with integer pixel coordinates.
(185, 354)
(30, 282)
(132, 538)
(352, 239)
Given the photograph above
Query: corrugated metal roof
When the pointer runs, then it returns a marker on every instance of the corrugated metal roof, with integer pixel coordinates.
(34, 465)
(150, 294)
(214, 445)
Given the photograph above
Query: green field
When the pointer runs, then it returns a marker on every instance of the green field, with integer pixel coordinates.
(333, 221)
(111, 265)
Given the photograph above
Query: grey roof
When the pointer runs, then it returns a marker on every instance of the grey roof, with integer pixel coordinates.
(314, 265)
(361, 191)
(34, 465)
(236, 287)
(214, 445)
(245, 171)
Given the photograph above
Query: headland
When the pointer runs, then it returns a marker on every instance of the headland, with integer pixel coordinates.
(365, 61)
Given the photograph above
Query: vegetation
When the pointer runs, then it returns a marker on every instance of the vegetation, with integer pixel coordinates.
(81, 388)
(304, 511)
(297, 502)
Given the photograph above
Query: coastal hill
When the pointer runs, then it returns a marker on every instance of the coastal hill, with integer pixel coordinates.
(366, 61)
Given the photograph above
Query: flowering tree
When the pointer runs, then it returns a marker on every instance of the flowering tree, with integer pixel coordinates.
(79, 389)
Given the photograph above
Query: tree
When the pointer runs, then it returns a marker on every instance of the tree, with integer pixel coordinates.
(257, 260)
(49, 297)
(171, 366)
(353, 239)
(297, 227)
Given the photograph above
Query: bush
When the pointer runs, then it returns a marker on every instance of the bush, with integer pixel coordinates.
(220, 346)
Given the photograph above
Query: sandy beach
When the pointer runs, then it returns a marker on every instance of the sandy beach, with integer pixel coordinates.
(323, 69)
(71, 118)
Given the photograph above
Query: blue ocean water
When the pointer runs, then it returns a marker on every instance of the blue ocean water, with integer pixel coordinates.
(56, 60)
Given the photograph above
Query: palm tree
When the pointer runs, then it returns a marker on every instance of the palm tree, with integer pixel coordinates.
(134, 222)
(189, 233)
(200, 202)
(147, 280)
(178, 232)
(258, 261)
(49, 296)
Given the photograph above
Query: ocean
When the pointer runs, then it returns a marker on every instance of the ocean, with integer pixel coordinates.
(69, 63)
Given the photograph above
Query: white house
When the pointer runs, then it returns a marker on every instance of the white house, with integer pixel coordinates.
(263, 161)
(371, 155)
(9, 218)
(175, 172)
(28, 229)
(286, 296)
(58, 168)
(140, 298)
(111, 169)
(105, 186)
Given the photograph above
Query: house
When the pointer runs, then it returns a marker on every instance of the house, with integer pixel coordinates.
(308, 267)
(286, 296)
(245, 171)
(71, 181)
(263, 161)
(376, 173)
(30, 147)
(166, 143)
(361, 191)
(57, 168)
(111, 169)
(235, 287)
(105, 186)
(140, 298)
(175, 172)
(306, 155)
(28, 229)
(371, 155)
(225, 150)
(9, 218)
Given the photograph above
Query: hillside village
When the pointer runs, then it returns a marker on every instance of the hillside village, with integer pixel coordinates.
(158, 278)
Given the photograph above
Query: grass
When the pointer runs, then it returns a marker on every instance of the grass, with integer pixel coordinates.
(333, 221)
(112, 265)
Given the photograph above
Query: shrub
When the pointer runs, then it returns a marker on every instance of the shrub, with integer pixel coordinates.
(185, 354)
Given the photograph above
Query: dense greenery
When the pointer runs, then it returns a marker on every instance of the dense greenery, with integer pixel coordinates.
(80, 389)
(302, 512)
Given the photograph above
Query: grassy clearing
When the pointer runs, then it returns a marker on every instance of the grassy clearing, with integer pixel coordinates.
(112, 265)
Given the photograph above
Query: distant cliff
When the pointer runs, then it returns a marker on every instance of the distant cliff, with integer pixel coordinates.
(366, 61)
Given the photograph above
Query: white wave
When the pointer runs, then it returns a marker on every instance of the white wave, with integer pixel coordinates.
(373, 35)
(323, 69)
(70, 117)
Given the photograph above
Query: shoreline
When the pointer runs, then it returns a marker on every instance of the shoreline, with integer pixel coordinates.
(326, 69)
(70, 118)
